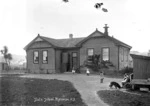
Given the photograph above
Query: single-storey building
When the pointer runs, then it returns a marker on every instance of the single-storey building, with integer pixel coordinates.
(48, 55)
(3, 64)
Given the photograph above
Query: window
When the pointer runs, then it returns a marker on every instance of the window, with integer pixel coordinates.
(74, 60)
(105, 54)
(45, 57)
(74, 54)
(90, 52)
(126, 55)
(36, 57)
(122, 54)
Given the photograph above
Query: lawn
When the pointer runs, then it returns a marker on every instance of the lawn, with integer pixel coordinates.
(17, 91)
(119, 98)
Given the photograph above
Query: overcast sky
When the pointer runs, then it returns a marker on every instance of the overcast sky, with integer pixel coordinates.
(22, 20)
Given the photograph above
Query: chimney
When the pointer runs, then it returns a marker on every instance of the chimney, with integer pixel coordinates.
(106, 30)
(70, 36)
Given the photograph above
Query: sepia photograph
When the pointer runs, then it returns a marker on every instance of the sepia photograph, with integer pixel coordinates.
(74, 53)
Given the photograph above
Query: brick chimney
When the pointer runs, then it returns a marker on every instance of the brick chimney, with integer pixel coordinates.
(70, 36)
(106, 30)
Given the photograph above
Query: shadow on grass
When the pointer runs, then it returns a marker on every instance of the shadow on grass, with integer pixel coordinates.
(16, 91)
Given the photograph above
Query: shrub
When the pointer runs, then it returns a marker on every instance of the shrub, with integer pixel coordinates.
(93, 62)
(127, 70)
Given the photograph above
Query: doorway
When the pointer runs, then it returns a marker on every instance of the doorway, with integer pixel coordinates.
(74, 60)
(66, 62)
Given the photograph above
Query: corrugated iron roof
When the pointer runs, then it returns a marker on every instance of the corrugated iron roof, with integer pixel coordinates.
(75, 42)
(71, 42)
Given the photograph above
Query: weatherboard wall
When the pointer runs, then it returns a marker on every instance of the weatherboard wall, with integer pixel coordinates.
(141, 66)
(97, 44)
(41, 67)
(123, 57)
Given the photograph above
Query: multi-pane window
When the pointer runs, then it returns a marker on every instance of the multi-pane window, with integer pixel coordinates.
(45, 57)
(36, 57)
(105, 54)
(126, 55)
(122, 54)
(90, 52)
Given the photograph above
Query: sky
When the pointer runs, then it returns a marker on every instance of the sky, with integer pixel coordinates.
(22, 20)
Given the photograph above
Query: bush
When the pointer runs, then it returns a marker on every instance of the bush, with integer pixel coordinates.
(127, 70)
(78, 70)
(94, 63)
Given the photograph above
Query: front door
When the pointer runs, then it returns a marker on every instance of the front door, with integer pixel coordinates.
(74, 60)
(65, 62)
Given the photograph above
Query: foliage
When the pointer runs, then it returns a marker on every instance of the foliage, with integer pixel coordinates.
(93, 62)
(127, 70)
(106, 64)
(7, 56)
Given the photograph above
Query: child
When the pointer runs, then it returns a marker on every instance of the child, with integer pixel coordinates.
(101, 77)
(73, 70)
(87, 72)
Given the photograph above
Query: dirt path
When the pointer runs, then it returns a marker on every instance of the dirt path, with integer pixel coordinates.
(86, 85)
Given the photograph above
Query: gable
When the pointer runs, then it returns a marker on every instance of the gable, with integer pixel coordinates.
(96, 34)
(39, 44)
(92, 35)
(38, 39)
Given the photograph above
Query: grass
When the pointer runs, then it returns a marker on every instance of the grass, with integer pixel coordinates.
(16, 91)
(119, 98)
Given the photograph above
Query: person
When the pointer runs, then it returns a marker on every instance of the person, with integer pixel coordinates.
(87, 72)
(126, 79)
(125, 75)
(101, 76)
(73, 70)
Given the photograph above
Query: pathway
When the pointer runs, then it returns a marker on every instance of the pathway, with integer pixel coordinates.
(86, 85)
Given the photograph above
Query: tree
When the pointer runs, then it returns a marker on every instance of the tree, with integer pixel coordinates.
(7, 56)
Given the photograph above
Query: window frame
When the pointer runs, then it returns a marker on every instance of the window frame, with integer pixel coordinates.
(122, 54)
(126, 55)
(34, 56)
(88, 52)
(74, 56)
(43, 57)
(108, 53)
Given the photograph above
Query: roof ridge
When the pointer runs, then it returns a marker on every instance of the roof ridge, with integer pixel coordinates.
(62, 38)
(71, 38)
